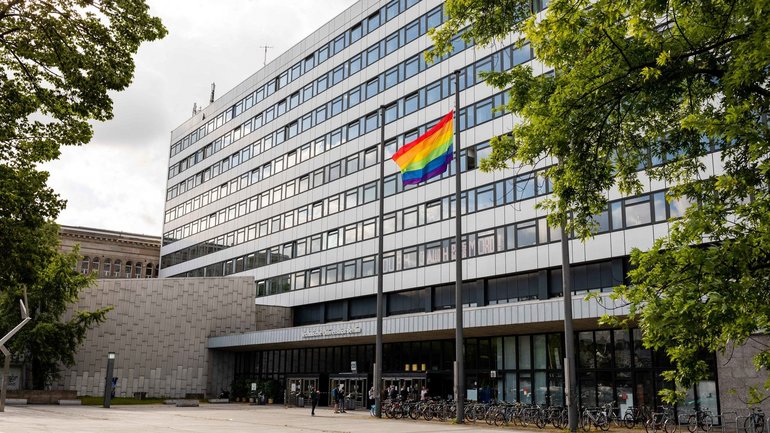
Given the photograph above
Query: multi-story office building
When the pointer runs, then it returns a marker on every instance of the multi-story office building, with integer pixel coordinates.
(278, 179)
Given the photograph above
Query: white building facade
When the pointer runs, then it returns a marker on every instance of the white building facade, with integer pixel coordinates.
(278, 179)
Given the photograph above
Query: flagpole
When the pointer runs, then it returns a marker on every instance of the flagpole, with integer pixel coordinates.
(380, 296)
(459, 346)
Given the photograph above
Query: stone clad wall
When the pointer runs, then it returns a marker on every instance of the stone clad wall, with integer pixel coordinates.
(158, 330)
(736, 372)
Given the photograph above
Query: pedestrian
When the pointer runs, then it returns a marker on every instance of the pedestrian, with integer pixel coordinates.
(424, 394)
(313, 400)
(372, 394)
(341, 398)
(335, 399)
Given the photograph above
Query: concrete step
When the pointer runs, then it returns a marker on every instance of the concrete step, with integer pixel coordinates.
(15, 401)
(187, 403)
(69, 403)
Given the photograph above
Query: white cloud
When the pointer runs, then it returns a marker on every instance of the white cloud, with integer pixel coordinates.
(118, 181)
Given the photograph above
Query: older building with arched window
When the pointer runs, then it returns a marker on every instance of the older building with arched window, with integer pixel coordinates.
(111, 254)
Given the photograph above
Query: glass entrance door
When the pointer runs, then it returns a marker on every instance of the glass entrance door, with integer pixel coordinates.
(354, 388)
(297, 387)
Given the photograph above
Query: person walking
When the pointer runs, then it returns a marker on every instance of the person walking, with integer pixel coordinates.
(335, 398)
(313, 400)
(341, 398)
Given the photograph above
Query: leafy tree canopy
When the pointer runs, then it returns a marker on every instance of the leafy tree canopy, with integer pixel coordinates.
(637, 82)
(59, 59)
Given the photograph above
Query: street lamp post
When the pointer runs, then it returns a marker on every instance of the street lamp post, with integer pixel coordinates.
(108, 379)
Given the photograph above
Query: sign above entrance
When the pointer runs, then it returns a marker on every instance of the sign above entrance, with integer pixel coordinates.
(332, 332)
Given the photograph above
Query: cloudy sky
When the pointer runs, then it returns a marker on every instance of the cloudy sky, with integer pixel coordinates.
(118, 181)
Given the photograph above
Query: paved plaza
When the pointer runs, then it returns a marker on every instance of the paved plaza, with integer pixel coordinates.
(229, 418)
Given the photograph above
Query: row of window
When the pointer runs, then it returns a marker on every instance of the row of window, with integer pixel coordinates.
(432, 93)
(600, 276)
(625, 213)
(326, 81)
(117, 269)
(294, 186)
(385, 14)
(443, 88)
(337, 203)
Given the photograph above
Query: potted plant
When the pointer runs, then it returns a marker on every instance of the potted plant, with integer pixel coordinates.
(268, 388)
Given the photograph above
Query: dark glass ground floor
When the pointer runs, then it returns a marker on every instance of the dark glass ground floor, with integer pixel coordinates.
(612, 365)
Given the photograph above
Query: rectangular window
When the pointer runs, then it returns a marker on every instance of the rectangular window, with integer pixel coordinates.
(321, 84)
(370, 157)
(411, 103)
(372, 122)
(389, 224)
(433, 253)
(409, 258)
(331, 274)
(525, 187)
(638, 211)
(391, 44)
(412, 66)
(338, 74)
(351, 234)
(355, 64)
(374, 21)
(433, 93)
(433, 212)
(354, 97)
(337, 106)
(485, 197)
(526, 234)
(356, 32)
(372, 88)
(412, 31)
(369, 229)
(485, 243)
(332, 239)
(367, 267)
(351, 199)
(410, 218)
(333, 205)
(391, 77)
(373, 54)
(391, 113)
(370, 192)
(349, 270)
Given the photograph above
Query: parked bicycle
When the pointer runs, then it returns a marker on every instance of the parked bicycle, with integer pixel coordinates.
(700, 419)
(755, 423)
(663, 420)
(636, 415)
(594, 417)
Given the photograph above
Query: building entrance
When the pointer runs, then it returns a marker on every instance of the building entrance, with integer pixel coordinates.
(298, 389)
(355, 389)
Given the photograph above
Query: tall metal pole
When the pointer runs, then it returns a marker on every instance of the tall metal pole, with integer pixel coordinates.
(459, 346)
(108, 380)
(569, 335)
(380, 296)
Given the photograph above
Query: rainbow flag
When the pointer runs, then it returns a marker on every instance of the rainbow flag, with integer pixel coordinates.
(429, 155)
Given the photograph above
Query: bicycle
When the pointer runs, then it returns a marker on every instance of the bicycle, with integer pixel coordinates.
(755, 423)
(636, 414)
(595, 417)
(662, 421)
(702, 419)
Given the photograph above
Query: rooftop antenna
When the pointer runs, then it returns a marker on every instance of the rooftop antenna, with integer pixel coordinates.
(265, 60)
(195, 108)
(213, 86)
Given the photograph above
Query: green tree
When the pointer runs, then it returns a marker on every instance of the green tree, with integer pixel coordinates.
(59, 59)
(641, 81)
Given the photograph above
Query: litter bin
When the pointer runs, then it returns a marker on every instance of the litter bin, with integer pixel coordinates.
(300, 401)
